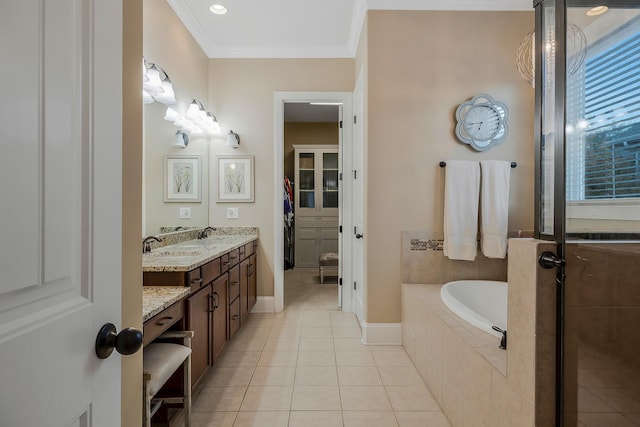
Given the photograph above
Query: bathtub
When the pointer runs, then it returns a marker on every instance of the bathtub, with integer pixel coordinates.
(483, 303)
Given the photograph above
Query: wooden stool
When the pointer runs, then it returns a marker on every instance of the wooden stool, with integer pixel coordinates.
(161, 360)
(328, 261)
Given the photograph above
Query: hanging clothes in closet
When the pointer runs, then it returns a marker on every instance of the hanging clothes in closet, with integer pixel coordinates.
(288, 223)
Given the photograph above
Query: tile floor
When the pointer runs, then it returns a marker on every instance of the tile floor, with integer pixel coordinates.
(307, 367)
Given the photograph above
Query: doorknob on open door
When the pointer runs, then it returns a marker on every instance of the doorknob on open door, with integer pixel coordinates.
(128, 341)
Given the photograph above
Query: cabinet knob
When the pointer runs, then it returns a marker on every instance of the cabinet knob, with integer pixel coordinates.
(235, 317)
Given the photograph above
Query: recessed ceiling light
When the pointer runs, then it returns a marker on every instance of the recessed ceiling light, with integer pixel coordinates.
(218, 9)
(598, 10)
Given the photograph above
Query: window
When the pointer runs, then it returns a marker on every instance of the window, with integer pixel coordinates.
(603, 119)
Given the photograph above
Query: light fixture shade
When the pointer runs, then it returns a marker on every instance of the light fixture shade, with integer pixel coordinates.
(167, 96)
(154, 85)
(146, 98)
(233, 140)
(171, 115)
(181, 140)
(196, 110)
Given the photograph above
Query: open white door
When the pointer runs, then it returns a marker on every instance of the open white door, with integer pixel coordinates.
(341, 204)
(61, 121)
(358, 285)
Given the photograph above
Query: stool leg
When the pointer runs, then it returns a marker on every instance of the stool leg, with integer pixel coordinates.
(187, 393)
(321, 275)
(146, 402)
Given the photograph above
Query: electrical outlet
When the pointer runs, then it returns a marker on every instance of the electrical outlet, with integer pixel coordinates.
(185, 213)
(232, 213)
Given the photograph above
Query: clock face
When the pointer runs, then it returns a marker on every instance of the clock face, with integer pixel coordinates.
(481, 122)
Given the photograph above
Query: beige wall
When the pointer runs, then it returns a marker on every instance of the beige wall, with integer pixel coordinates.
(168, 43)
(131, 207)
(299, 133)
(241, 92)
(421, 66)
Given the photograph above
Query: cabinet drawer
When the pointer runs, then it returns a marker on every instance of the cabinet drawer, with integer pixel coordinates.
(234, 257)
(234, 283)
(162, 321)
(194, 279)
(211, 270)
(234, 317)
(248, 250)
(224, 263)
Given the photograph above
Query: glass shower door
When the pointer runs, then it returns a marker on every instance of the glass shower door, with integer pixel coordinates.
(588, 202)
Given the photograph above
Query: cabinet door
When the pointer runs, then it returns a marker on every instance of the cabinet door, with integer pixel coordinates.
(306, 254)
(306, 182)
(327, 190)
(234, 283)
(199, 321)
(252, 296)
(219, 316)
(244, 290)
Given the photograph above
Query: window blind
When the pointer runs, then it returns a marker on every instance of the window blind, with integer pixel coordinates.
(604, 144)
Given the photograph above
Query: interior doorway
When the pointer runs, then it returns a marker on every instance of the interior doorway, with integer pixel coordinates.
(312, 198)
(310, 158)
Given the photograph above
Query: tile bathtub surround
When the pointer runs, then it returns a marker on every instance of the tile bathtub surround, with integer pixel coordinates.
(424, 262)
(479, 388)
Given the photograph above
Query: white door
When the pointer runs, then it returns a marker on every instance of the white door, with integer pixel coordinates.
(60, 80)
(340, 202)
(358, 284)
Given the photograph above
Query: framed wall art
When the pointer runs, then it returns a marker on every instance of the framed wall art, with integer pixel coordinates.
(182, 179)
(235, 178)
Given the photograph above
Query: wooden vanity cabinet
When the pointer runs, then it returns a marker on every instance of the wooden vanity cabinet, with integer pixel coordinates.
(223, 292)
(248, 291)
(219, 315)
(199, 306)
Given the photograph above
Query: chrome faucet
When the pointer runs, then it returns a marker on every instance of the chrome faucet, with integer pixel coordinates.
(204, 233)
(146, 243)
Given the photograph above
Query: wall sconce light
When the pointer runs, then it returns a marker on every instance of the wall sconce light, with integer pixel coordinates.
(156, 84)
(181, 140)
(233, 140)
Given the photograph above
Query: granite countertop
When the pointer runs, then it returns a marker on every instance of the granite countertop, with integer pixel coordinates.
(186, 256)
(157, 298)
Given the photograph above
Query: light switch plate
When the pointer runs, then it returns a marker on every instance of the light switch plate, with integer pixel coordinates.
(185, 213)
(232, 213)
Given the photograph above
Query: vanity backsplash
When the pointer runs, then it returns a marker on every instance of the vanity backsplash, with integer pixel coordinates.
(173, 237)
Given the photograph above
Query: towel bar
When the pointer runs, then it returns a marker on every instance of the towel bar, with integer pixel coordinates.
(513, 164)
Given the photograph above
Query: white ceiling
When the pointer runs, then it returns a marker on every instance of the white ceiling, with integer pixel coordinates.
(300, 28)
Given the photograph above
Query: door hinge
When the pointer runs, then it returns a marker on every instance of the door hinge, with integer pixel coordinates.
(340, 176)
(355, 120)
(355, 174)
(355, 285)
(340, 229)
(340, 281)
(340, 124)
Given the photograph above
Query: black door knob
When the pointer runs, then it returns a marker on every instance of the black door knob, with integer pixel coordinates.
(549, 260)
(359, 236)
(128, 341)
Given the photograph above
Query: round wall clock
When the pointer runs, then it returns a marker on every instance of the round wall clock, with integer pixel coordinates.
(482, 122)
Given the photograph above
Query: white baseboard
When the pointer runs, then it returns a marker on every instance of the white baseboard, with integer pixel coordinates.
(381, 333)
(265, 305)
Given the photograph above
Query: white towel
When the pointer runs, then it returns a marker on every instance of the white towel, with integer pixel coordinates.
(494, 207)
(461, 195)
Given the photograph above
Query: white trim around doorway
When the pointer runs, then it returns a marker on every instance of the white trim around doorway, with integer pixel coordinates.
(280, 98)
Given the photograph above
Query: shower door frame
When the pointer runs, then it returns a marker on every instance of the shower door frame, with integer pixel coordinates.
(559, 184)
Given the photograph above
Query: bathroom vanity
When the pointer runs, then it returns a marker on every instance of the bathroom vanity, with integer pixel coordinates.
(217, 279)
